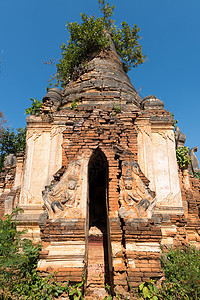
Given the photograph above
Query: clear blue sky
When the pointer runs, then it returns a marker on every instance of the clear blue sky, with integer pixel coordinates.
(32, 31)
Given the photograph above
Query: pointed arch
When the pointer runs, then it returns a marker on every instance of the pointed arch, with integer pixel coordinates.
(98, 218)
(98, 189)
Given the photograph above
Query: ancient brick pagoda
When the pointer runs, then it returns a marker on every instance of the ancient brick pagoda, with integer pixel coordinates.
(99, 184)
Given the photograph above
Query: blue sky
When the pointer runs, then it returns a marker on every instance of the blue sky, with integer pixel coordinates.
(32, 31)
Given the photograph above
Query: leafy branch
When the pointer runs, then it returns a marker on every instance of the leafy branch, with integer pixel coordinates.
(182, 156)
(35, 107)
(91, 37)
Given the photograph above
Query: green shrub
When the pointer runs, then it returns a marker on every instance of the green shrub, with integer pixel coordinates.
(182, 272)
(182, 156)
(175, 121)
(18, 261)
(148, 290)
(35, 107)
(18, 256)
(182, 277)
(38, 288)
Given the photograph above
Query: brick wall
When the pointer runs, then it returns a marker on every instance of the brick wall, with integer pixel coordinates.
(89, 128)
(190, 188)
(7, 177)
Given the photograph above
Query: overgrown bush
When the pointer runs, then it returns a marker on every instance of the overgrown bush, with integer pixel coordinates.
(182, 271)
(148, 290)
(182, 277)
(182, 156)
(18, 256)
(116, 108)
(18, 261)
(35, 107)
(175, 121)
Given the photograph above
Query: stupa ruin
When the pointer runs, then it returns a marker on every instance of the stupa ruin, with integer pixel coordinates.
(99, 182)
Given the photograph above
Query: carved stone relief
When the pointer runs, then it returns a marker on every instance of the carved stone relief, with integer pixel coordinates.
(194, 161)
(29, 198)
(142, 130)
(33, 133)
(63, 199)
(11, 160)
(166, 135)
(135, 199)
(179, 137)
(56, 130)
(171, 200)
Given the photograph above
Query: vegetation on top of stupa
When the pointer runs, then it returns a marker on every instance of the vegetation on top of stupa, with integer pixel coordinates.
(91, 36)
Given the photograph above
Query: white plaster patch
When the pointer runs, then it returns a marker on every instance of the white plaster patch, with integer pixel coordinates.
(116, 247)
(131, 263)
(117, 262)
(167, 241)
(148, 247)
(60, 263)
(168, 229)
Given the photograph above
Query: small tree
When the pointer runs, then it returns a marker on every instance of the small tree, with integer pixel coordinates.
(91, 36)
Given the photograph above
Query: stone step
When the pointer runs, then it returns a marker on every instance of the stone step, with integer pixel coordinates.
(95, 292)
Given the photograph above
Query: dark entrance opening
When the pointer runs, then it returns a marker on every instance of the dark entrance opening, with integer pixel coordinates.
(99, 246)
(98, 170)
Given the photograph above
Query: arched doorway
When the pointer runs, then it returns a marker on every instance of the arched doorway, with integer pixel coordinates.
(99, 244)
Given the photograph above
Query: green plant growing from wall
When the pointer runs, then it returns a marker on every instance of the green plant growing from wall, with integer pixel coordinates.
(117, 108)
(182, 156)
(74, 104)
(94, 35)
(35, 107)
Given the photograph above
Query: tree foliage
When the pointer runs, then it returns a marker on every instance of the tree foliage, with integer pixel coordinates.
(91, 36)
(182, 156)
